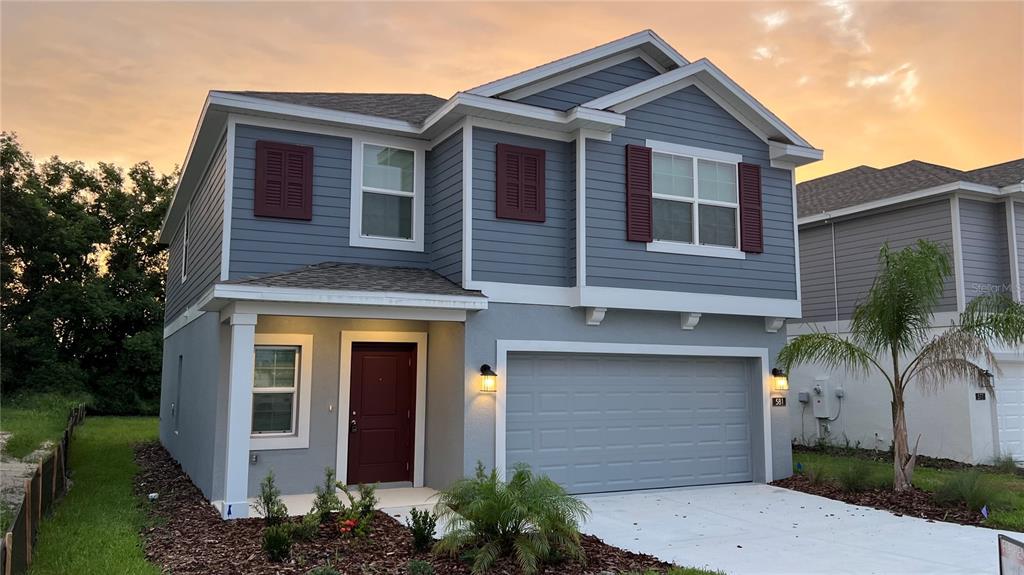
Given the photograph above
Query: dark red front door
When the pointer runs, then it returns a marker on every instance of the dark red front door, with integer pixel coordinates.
(381, 418)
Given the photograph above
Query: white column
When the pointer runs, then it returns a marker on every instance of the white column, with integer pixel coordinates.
(240, 377)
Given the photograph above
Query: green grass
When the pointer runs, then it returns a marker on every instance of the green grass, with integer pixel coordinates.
(95, 529)
(33, 419)
(929, 479)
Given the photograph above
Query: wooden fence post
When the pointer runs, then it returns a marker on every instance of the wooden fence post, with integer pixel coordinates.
(39, 496)
(8, 541)
(26, 504)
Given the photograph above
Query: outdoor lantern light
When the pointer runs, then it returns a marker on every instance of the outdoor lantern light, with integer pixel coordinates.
(488, 379)
(781, 380)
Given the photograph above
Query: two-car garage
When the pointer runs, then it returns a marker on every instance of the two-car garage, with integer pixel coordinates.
(606, 422)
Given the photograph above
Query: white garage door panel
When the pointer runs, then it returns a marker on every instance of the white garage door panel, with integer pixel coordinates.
(605, 422)
(1010, 407)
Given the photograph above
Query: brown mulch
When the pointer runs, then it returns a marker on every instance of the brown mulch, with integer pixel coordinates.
(187, 536)
(913, 503)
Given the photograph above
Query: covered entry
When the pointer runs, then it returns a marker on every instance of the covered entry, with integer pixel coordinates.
(607, 422)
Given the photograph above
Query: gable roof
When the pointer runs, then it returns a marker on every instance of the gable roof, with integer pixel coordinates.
(408, 107)
(652, 44)
(864, 184)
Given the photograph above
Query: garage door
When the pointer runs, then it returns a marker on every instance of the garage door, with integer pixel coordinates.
(615, 422)
(1010, 408)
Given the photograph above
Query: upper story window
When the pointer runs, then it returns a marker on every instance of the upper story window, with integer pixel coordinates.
(387, 196)
(695, 200)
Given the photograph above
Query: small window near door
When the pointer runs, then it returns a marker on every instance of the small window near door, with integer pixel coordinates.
(275, 389)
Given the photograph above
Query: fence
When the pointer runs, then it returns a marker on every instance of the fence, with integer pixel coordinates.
(47, 484)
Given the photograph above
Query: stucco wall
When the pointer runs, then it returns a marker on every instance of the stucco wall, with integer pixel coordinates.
(549, 323)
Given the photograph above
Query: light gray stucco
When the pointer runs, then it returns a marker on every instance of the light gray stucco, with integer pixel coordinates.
(550, 323)
(687, 117)
(446, 378)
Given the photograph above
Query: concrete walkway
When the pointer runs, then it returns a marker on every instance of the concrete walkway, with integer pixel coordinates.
(746, 529)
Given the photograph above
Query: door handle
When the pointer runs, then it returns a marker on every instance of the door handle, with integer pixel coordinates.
(352, 428)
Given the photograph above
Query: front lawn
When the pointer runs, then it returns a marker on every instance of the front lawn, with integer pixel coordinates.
(34, 419)
(95, 529)
(877, 472)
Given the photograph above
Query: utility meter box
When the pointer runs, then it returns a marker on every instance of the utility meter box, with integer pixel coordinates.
(821, 399)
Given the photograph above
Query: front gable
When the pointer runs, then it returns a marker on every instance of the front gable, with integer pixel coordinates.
(600, 83)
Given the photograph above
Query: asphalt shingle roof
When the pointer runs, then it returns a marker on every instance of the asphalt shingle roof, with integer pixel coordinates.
(409, 107)
(360, 277)
(865, 184)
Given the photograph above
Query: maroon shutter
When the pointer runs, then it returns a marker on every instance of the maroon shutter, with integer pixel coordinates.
(638, 194)
(751, 221)
(284, 181)
(520, 183)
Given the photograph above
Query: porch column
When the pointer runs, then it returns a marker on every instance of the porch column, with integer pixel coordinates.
(240, 377)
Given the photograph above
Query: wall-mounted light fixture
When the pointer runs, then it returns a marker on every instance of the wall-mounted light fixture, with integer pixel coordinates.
(488, 379)
(781, 379)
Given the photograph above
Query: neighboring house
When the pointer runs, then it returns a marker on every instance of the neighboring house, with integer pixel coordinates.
(612, 235)
(844, 220)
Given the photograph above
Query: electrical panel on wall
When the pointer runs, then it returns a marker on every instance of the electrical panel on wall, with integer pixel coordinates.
(821, 404)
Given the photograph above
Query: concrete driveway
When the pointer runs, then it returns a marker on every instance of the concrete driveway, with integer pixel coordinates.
(748, 528)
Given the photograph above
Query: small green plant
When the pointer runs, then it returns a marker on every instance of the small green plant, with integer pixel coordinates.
(1005, 464)
(420, 567)
(326, 500)
(323, 570)
(856, 476)
(366, 505)
(972, 488)
(269, 503)
(529, 517)
(307, 528)
(814, 474)
(422, 523)
(277, 542)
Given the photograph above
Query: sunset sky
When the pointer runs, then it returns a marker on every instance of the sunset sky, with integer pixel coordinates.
(871, 83)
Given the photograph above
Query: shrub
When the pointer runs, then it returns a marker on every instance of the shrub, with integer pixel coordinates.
(858, 475)
(277, 542)
(814, 475)
(422, 523)
(365, 506)
(323, 570)
(308, 527)
(269, 503)
(420, 567)
(326, 500)
(1005, 464)
(973, 488)
(530, 517)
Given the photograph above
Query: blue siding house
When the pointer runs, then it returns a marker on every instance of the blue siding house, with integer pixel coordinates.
(585, 267)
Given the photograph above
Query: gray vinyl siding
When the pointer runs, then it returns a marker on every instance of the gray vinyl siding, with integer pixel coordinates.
(592, 86)
(1018, 209)
(205, 229)
(514, 251)
(985, 248)
(857, 242)
(444, 208)
(691, 118)
(267, 245)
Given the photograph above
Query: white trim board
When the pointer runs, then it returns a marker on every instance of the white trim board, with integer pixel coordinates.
(958, 254)
(228, 201)
(467, 203)
(1012, 233)
(345, 390)
(506, 346)
(300, 438)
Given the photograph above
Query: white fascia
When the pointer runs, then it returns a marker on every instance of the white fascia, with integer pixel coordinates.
(910, 196)
(569, 63)
(710, 76)
(241, 292)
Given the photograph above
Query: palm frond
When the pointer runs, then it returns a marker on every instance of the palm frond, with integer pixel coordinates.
(831, 350)
(899, 307)
(996, 318)
(937, 374)
(948, 357)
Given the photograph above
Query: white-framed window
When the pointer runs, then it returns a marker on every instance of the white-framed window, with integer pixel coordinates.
(282, 376)
(184, 244)
(695, 200)
(387, 194)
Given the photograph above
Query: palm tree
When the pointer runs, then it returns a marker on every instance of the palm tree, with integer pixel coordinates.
(895, 322)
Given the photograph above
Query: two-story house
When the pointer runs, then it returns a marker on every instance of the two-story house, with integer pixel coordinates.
(585, 267)
(844, 220)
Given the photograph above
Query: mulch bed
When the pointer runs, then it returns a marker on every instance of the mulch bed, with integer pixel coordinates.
(913, 503)
(187, 536)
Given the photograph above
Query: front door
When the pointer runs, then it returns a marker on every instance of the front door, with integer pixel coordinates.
(382, 412)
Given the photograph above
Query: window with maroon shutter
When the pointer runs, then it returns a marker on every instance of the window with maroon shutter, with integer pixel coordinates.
(284, 181)
(751, 220)
(639, 226)
(520, 183)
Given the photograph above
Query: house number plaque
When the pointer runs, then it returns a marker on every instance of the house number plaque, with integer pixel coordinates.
(778, 402)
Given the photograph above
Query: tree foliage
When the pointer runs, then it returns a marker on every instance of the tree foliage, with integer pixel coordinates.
(82, 278)
(896, 322)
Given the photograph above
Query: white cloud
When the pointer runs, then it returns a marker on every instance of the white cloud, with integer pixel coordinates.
(773, 20)
(847, 30)
(763, 53)
(904, 78)
(803, 80)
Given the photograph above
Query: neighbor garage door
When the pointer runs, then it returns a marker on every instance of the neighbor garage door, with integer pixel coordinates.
(614, 422)
(1010, 407)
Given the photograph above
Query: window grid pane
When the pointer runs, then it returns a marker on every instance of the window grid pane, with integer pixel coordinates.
(273, 412)
(673, 221)
(387, 216)
(717, 226)
(388, 168)
(716, 181)
(275, 367)
(672, 175)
